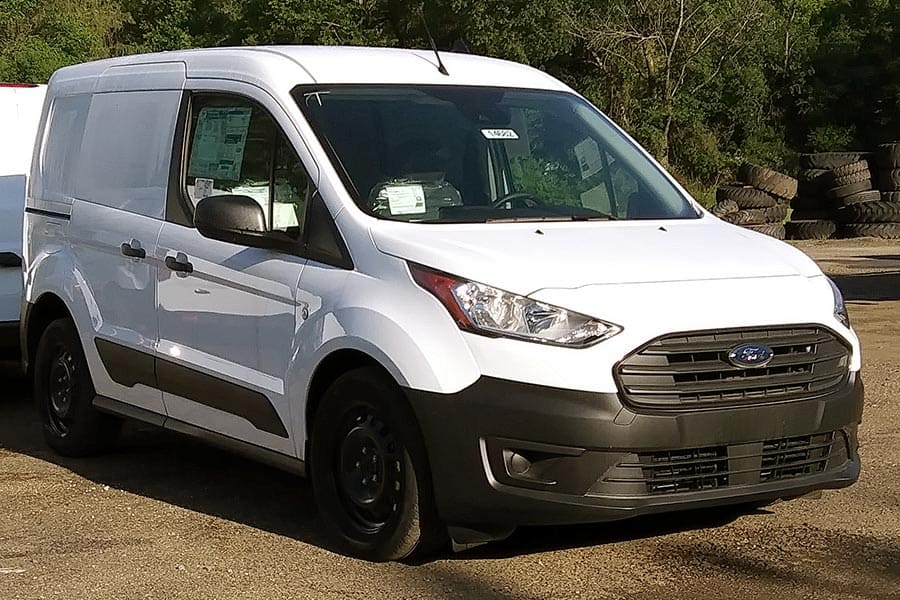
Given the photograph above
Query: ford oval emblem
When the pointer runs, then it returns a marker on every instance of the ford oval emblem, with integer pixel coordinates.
(751, 356)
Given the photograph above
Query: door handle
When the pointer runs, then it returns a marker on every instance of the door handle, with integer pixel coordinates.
(179, 263)
(133, 249)
(10, 259)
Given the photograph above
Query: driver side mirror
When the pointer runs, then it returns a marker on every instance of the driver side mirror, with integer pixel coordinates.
(233, 219)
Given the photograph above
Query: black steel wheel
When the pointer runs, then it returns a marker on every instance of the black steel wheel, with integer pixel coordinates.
(64, 394)
(370, 463)
(369, 470)
(61, 387)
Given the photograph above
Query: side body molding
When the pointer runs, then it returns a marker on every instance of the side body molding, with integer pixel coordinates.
(130, 367)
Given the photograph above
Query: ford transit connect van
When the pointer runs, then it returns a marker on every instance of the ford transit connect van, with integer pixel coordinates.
(20, 110)
(460, 302)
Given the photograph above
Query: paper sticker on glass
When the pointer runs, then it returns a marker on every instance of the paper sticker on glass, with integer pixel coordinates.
(218, 148)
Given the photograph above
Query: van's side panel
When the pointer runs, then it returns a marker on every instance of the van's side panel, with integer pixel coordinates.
(119, 195)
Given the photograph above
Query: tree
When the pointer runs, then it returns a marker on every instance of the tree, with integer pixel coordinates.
(665, 51)
(37, 37)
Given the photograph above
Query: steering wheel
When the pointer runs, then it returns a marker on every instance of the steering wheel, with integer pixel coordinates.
(524, 198)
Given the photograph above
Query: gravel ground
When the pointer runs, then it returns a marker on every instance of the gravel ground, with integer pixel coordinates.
(165, 517)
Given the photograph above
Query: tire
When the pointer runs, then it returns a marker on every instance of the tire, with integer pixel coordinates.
(364, 415)
(829, 160)
(887, 231)
(860, 166)
(870, 212)
(889, 156)
(725, 207)
(867, 196)
(812, 214)
(768, 180)
(811, 175)
(809, 230)
(775, 231)
(745, 197)
(889, 181)
(64, 394)
(848, 190)
(751, 216)
(857, 177)
(776, 214)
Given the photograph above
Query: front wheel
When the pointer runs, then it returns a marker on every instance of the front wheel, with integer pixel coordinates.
(64, 395)
(369, 470)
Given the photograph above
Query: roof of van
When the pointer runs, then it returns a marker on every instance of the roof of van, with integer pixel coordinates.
(293, 65)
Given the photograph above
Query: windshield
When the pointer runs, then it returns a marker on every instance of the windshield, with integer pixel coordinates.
(442, 154)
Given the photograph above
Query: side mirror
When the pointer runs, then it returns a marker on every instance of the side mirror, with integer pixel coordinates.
(231, 218)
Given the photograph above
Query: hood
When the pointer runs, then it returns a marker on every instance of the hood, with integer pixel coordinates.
(526, 257)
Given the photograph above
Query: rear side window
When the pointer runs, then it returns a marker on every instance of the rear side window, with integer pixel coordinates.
(235, 147)
(55, 177)
(127, 150)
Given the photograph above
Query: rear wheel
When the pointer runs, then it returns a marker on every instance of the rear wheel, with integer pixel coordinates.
(370, 472)
(64, 395)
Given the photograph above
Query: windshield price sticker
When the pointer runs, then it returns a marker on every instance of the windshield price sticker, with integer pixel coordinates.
(500, 134)
(203, 187)
(589, 160)
(406, 199)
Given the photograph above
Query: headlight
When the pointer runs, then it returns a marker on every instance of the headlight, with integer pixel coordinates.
(840, 310)
(484, 309)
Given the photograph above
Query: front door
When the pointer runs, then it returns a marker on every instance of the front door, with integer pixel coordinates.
(227, 313)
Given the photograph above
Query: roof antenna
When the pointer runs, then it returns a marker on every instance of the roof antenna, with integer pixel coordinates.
(441, 68)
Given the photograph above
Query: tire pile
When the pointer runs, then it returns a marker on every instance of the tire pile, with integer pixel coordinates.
(759, 201)
(880, 216)
(828, 183)
(838, 195)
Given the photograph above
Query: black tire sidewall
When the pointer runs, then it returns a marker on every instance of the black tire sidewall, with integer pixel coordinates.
(416, 516)
(89, 430)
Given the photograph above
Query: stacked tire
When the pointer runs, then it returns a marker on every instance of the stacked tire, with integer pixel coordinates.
(758, 201)
(878, 214)
(828, 182)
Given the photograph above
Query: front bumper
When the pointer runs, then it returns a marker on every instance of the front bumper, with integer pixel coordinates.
(504, 453)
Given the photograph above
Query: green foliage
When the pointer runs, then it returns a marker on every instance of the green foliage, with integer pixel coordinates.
(37, 37)
(704, 85)
(545, 180)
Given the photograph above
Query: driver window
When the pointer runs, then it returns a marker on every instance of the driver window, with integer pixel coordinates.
(235, 147)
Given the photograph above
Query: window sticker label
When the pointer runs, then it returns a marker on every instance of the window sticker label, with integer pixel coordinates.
(500, 134)
(203, 187)
(219, 140)
(588, 154)
(405, 199)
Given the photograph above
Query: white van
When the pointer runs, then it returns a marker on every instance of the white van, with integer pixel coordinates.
(461, 302)
(20, 110)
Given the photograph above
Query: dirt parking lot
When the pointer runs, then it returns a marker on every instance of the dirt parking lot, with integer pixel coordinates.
(165, 517)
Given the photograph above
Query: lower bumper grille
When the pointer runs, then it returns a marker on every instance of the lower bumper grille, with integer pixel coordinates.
(699, 469)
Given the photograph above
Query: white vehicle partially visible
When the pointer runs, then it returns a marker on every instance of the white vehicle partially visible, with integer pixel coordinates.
(20, 111)
(454, 293)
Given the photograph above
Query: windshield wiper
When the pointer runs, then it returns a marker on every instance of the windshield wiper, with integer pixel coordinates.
(551, 218)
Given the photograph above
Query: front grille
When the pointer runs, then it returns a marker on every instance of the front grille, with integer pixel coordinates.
(692, 369)
(699, 469)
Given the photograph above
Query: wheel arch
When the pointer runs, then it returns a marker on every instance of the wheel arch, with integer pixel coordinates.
(332, 366)
(38, 315)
